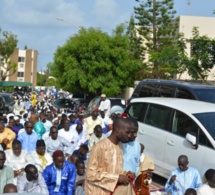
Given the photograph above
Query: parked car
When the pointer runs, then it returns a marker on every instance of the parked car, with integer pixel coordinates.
(6, 103)
(174, 88)
(63, 104)
(117, 105)
(170, 127)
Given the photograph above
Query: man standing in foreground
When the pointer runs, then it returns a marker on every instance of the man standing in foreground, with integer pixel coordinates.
(182, 178)
(105, 165)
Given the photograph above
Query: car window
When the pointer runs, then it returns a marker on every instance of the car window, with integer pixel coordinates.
(207, 95)
(183, 124)
(117, 102)
(148, 91)
(158, 116)
(7, 98)
(166, 91)
(137, 111)
(182, 93)
(207, 120)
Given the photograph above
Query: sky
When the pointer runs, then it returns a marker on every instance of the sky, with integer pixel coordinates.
(36, 25)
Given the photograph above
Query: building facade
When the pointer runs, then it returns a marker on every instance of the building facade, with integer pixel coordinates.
(26, 66)
(205, 26)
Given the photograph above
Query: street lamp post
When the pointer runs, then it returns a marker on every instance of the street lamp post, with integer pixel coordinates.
(66, 21)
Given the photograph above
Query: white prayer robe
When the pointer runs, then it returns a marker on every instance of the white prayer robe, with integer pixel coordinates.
(205, 189)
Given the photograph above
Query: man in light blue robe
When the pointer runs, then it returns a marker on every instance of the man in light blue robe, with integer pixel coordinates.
(182, 178)
(28, 137)
(131, 150)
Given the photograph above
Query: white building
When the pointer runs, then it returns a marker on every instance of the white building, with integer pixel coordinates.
(206, 26)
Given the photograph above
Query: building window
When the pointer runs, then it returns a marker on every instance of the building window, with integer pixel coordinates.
(20, 74)
(21, 65)
(21, 59)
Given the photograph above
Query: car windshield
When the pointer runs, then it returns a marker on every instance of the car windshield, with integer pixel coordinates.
(62, 102)
(94, 103)
(7, 98)
(207, 95)
(208, 121)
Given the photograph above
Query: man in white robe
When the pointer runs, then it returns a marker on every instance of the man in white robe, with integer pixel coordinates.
(17, 159)
(31, 181)
(105, 105)
(79, 133)
(209, 187)
(55, 142)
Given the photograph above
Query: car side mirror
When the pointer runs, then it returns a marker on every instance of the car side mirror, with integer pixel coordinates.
(192, 139)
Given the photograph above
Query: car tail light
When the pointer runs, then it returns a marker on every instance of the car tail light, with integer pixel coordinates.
(124, 115)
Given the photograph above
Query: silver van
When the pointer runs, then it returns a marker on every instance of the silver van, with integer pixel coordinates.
(169, 127)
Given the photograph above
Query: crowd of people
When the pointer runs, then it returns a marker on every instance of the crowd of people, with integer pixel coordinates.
(47, 152)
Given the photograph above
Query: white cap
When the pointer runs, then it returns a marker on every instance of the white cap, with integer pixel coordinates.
(59, 115)
(103, 95)
(16, 118)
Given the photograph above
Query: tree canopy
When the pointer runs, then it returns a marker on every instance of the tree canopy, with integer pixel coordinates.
(163, 46)
(94, 62)
(7, 45)
(202, 57)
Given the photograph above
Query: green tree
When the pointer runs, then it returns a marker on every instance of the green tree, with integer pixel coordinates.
(158, 29)
(202, 57)
(93, 62)
(134, 40)
(8, 43)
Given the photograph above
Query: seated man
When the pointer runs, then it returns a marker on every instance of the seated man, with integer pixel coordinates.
(6, 176)
(6, 135)
(60, 175)
(9, 188)
(96, 136)
(191, 191)
(80, 177)
(209, 187)
(17, 158)
(91, 121)
(11, 126)
(82, 152)
(40, 156)
(73, 158)
(28, 137)
(79, 132)
(31, 181)
(55, 142)
(182, 178)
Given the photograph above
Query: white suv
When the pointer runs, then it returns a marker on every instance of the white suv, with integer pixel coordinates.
(169, 127)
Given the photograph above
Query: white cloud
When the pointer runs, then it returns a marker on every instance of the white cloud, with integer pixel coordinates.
(105, 12)
(108, 13)
(41, 13)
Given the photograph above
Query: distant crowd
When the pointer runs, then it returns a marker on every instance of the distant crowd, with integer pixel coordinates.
(48, 151)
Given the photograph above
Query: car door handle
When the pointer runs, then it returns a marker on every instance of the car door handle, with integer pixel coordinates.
(141, 132)
(171, 143)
